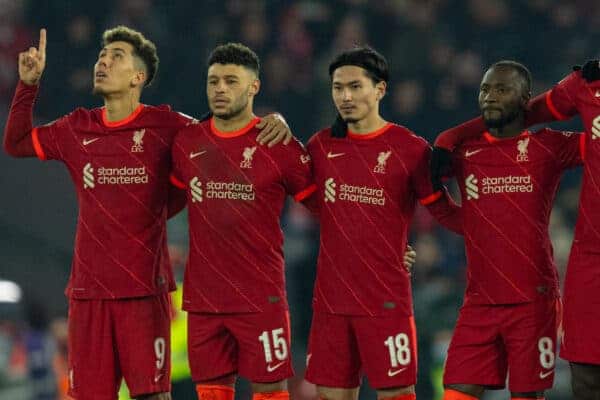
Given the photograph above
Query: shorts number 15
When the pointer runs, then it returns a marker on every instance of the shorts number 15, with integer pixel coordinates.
(278, 345)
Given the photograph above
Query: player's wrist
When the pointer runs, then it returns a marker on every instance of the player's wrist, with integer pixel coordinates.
(30, 82)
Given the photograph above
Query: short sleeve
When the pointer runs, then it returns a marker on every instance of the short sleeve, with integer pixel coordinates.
(562, 98)
(50, 140)
(421, 180)
(297, 173)
(177, 156)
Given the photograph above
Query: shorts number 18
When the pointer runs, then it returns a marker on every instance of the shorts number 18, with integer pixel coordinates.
(399, 349)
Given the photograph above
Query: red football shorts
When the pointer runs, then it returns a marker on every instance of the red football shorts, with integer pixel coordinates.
(581, 319)
(253, 345)
(490, 340)
(114, 339)
(342, 347)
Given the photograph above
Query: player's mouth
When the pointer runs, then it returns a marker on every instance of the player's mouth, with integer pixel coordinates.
(100, 76)
(347, 108)
(220, 102)
(490, 110)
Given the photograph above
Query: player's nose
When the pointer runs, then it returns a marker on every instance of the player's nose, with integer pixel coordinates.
(346, 95)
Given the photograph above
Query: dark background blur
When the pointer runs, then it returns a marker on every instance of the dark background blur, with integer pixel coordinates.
(437, 50)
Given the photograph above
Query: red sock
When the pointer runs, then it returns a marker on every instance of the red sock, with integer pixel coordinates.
(214, 392)
(451, 394)
(409, 396)
(278, 395)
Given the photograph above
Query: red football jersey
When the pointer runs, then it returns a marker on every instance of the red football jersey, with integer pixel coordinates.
(508, 188)
(236, 192)
(571, 96)
(367, 188)
(121, 174)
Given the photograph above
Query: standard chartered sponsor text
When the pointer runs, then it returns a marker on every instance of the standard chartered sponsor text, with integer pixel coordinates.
(121, 176)
(230, 191)
(507, 184)
(362, 194)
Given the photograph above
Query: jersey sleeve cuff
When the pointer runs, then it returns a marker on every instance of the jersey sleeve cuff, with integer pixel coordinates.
(176, 182)
(432, 198)
(305, 193)
(37, 146)
(557, 114)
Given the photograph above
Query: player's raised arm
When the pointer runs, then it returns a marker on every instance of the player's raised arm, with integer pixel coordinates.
(539, 110)
(17, 131)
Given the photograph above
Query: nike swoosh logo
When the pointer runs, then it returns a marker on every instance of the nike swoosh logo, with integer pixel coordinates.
(396, 372)
(470, 153)
(157, 377)
(544, 375)
(193, 155)
(334, 155)
(86, 141)
(271, 368)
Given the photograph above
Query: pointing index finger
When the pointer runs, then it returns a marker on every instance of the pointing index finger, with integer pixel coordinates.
(42, 45)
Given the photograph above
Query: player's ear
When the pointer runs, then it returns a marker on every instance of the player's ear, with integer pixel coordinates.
(254, 88)
(138, 78)
(525, 99)
(380, 87)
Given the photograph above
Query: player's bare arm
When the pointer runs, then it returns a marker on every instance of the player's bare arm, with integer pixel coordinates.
(17, 132)
(273, 130)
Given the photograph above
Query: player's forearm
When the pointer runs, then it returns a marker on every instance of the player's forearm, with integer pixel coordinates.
(17, 131)
(453, 137)
(538, 111)
(447, 213)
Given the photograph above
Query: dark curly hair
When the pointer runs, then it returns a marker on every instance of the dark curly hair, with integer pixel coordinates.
(143, 48)
(237, 54)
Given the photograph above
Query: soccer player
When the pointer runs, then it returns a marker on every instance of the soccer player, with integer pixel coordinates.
(119, 158)
(370, 173)
(234, 288)
(508, 179)
(578, 93)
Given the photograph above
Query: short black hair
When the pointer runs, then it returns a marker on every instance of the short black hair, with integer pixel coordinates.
(375, 65)
(237, 54)
(521, 69)
(142, 47)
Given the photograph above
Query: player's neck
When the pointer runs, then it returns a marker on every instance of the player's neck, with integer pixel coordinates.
(119, 107)
(367, 125)
(235, 123)
(512, 129)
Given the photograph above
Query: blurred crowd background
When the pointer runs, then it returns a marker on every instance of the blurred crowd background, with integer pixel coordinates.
(437, 50)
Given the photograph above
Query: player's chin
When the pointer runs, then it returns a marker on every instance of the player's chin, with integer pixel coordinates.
(99, 89)
(493, 122)
(221, 113)
(350, 119)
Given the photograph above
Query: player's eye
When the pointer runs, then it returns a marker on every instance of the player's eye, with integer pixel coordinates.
(356, 86)
(231, 81)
